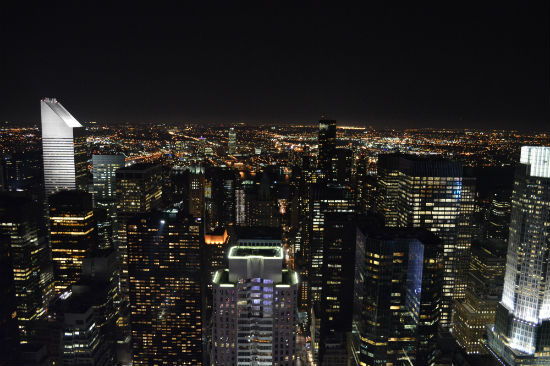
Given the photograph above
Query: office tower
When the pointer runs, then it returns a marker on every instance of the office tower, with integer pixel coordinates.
(73, 235)
(80, 339)
(64, 148)
(254, 309)
(29, 259)
(219, 197)
(240, 206)
(342, 164)
(138, 191)
(397, 295)
(9, 335)
(104, 169)
(165, 288)
(337, 283)
(98, 287)
(20, 170)
(323, 200)
(213, 258)
(188, 186)
(232, 141)
(485, 279)
(261, 203)
(521, 333)
(432, 193)
(327, 147)
(498, 216)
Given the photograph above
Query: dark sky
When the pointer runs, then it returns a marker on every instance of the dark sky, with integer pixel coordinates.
(484, 66)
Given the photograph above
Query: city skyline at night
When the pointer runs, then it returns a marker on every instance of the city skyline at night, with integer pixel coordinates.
(275, 184)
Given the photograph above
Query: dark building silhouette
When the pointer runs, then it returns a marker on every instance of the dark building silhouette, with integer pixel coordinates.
(397, 295)
(327, 148)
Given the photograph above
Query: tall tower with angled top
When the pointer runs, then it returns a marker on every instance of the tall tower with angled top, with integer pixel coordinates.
(64, 148)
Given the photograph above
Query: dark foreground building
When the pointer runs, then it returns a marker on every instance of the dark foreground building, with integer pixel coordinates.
(398, 282)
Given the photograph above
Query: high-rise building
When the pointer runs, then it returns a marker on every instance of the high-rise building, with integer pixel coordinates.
(327, 147)
(9, 336)
(98, 287)
(432, 193)
(323, 200)
(164, 264)
(64, 148)
(232, 141)
(521, 333)
(29, 259)
(219, 197)
(254, 315)
(104, 169)
(498, 216)
(336, 303)
(188, 187)
(73, 235)
(397, 295)
(138, 191)
(262, 208)
(80, 339)
(485, 279)
(342, 164)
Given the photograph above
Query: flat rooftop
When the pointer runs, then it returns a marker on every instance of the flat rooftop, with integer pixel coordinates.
(265, 252)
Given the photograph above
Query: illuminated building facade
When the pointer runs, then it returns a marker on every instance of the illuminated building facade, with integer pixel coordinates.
(521, 333)
(485, 279)
(397, 295)
(138, 191)
(73, 235)
(432, 193)
(232, 141)
(165, 288)
(104, 169)
(254, 315)
(64, 148)
(29, 259)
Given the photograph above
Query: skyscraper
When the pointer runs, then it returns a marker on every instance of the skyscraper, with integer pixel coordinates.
(64, 148)
(432, 193)
(254, 313)
(29, 257)
(104, 169)
(397, 295)
(327, 147)
(232, 141)
(165, 288)
(485, 279)
(138, 191)
(521, 333)
(337, 270)
(322, 201)
(73, 235)
(76, 328)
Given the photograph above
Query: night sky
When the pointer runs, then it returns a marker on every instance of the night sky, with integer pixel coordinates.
(436, 66)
